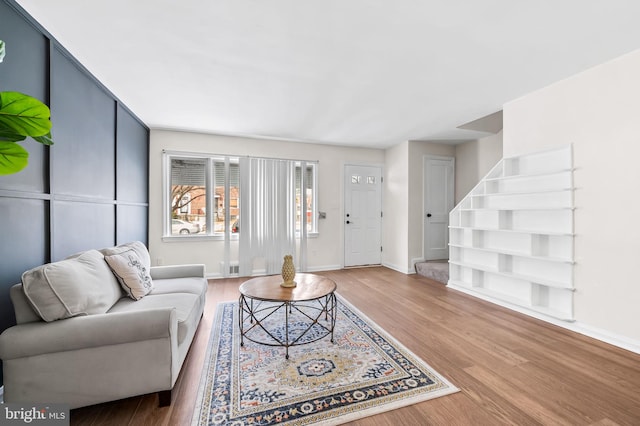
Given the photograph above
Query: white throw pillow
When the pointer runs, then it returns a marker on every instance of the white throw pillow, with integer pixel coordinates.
(131, 272)
(82, 285)
(137, 246)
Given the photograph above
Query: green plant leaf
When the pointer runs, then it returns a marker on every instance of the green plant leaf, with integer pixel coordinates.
(9, 136)
(13, 158)
(23, 115)
(44, 139)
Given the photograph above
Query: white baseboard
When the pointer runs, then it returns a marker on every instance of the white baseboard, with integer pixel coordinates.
(576, 326)
(324, 268)
(218, 275)
(400, 269)
(414, 261)
(607, 337)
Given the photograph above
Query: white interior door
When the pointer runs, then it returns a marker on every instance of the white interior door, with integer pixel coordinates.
(438, 202)
(362, 215)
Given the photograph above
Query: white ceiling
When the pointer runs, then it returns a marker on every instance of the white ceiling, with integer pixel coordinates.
(368, 73)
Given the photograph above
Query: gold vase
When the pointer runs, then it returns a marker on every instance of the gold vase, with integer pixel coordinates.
(288, 272)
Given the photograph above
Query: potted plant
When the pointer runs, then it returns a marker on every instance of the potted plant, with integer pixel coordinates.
(20, 116)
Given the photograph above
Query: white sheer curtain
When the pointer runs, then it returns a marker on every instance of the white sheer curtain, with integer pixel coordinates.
(302, 263)
(268, 213)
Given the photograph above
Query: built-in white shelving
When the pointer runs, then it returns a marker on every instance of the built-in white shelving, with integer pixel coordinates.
(511, 237)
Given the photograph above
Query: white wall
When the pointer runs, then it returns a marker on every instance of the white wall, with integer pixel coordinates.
(403, 228)
(598, 111)
(395, 228)
(415, 210)
(324, 252)
(474, 159)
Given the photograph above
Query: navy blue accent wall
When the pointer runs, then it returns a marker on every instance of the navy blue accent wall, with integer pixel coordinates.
(90, 190)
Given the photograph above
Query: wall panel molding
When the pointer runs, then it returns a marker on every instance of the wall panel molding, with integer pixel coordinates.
(90, 189)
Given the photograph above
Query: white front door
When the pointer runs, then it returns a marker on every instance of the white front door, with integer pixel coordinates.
(438, 202)
(362, 215)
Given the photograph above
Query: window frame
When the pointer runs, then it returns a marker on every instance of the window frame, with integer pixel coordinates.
(167, 234)
(314, 197)
(210, 185)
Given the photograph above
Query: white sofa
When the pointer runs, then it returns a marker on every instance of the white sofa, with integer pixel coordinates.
(81, 337)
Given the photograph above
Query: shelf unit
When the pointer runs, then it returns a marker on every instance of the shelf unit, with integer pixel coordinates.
(511, 237)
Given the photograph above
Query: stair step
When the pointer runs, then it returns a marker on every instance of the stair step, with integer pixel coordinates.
(437, 270)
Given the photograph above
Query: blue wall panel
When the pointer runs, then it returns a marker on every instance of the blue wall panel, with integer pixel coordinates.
(90, 189)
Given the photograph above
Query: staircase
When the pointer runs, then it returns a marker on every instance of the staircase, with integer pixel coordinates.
(437, 270)
(511, 237)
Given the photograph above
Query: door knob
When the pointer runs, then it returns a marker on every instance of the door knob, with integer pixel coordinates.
(428, 214)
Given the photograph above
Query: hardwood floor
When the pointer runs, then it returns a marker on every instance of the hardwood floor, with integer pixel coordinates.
(510, 368)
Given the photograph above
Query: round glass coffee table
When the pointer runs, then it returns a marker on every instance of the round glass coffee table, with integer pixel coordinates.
(270, 314)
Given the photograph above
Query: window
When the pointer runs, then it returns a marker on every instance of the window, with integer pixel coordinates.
(226, 196)
(188, 191)
(310, 197)
(203, 195)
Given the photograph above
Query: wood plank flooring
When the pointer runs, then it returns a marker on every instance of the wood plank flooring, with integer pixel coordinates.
(511, 369)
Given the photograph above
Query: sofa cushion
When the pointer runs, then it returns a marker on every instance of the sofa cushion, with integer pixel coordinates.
(132, 275)
(79, 286)
(187, 308)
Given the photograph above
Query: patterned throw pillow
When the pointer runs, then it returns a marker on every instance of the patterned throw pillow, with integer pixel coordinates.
(132, 274)
(137, 246)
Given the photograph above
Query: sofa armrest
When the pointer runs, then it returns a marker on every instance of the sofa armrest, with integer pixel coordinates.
(177, 271)
(21, 306)
(90, 331)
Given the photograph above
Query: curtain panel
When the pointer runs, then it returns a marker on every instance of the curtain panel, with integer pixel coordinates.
(268, 205)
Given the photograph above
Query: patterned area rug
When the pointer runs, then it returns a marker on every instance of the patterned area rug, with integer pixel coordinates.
(363, 372)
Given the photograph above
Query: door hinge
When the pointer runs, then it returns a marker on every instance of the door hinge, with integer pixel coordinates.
(381, 215)
(381, 179)
(380, 248)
